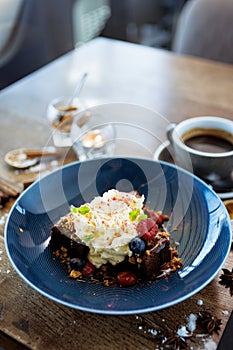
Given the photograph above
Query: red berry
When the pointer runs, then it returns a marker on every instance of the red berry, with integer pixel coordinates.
(126, 278)
(145, 225)
(150, 233)
(154, 230)
(88, 269)
(146, 236)
(147, 229)
(161, 219)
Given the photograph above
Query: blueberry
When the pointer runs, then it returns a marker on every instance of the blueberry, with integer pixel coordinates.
(137, 245)
(77, 264)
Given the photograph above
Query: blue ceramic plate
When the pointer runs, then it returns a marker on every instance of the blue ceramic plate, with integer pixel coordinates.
(198, 221)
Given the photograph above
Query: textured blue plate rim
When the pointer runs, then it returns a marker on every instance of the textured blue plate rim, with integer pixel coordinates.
(121, 312)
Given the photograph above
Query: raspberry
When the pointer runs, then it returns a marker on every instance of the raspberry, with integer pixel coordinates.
(88, 269)
(145, 225)
(161, 219)
(147, 229)
(126, 278)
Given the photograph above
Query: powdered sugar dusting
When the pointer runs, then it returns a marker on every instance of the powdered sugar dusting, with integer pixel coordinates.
(209, 344)
(225, 312)
(182, 332)
(192, 319)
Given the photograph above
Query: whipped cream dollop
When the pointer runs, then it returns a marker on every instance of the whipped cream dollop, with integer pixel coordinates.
(107, 224)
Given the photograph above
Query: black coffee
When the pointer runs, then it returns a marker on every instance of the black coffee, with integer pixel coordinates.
(209, 140)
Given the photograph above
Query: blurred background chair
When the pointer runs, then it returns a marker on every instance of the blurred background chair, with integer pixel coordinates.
(33, 33)
(9, 13)
(145, 22)
(89, 19)
(205, 29)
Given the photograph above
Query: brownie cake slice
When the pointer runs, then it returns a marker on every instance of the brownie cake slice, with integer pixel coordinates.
(63, 235)
(158, 258)
(154, 259)
(114, 239)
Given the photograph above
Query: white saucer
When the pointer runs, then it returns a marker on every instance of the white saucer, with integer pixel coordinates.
(162, 153)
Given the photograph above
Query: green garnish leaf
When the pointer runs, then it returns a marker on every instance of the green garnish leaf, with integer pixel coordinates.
(88, 237)
(73, 209)
(133, 214)
(83, 209)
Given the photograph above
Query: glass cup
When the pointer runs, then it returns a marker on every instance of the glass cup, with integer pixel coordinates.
(61, 116)
(92, 136)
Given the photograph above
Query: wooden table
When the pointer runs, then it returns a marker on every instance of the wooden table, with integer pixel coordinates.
(176, 87)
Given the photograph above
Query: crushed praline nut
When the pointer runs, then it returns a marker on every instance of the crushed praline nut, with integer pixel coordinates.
(62, 255)
(132, 260)
(175, 264)
(75, 274)
(67, 222)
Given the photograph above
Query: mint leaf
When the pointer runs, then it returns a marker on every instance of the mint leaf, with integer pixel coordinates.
(88, 237)
(83, 209)
(133, 214)
(73, 209)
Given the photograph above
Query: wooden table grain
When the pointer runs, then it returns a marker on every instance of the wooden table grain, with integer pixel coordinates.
(177, 87)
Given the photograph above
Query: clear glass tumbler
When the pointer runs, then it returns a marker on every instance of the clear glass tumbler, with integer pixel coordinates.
(92, 136)
(60, 115)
